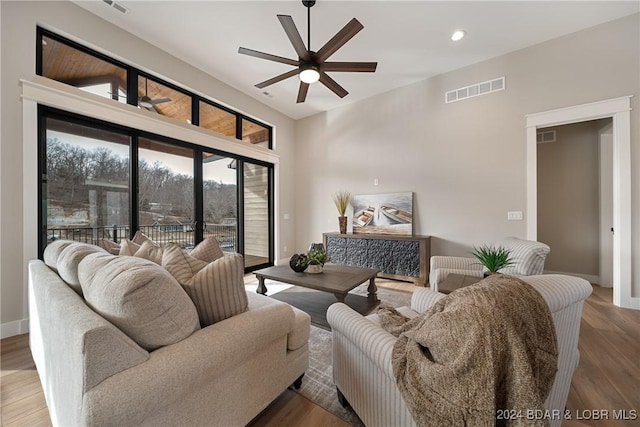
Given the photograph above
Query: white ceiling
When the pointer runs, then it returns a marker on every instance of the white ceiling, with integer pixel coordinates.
(410, 40)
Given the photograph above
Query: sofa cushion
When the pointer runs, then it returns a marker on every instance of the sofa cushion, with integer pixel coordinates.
(208, 250)
(216, 288)
(139, 297)
(69, 259)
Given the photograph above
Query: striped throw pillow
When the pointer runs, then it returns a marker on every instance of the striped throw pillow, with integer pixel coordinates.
(216, 289)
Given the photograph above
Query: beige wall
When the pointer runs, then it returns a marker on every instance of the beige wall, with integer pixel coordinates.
(18, 41)
(568, 199)
(464, 161)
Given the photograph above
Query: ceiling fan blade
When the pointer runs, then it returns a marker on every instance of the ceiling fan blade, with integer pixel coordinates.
(302, 92)
(277, 79)
(351, 67)
(352, 28)
(294, 36)
(267, 56)
(333, 85)
(159, 101)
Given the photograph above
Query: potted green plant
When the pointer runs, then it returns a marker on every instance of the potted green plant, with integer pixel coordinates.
(342, 199)
(316, 259)
(493, 258)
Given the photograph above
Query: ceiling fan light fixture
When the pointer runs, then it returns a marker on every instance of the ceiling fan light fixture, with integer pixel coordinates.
(309, 73)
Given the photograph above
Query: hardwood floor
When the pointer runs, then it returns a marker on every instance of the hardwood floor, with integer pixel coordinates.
(606, 379)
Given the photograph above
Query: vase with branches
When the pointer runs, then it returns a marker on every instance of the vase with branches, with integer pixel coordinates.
(342, 199)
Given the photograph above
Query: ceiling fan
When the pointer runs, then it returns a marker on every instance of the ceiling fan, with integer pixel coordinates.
(312, 66)
(148, 103)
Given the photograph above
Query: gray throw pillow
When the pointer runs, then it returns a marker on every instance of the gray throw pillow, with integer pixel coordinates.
(139, 297)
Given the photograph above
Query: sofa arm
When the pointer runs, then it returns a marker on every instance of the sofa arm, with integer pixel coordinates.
(367, 336)
(423, 298)
(438, 275)
(175, 371)
(455, 262)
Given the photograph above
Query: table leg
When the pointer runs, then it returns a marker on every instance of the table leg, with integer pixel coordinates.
(262, 289)
(373, 289)
(340, 296)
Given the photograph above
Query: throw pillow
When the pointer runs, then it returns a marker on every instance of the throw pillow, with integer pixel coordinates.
(139, 297)
(216, 288)
(69, 259)
(208, 250)
(128, 247)
(139, 238)
(110, 246)
(52, 252)
(151, 251)
(180, 264)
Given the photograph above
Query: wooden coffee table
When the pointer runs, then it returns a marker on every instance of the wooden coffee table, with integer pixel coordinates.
(316, 297)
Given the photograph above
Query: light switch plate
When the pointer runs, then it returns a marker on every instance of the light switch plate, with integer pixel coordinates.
(514, 215)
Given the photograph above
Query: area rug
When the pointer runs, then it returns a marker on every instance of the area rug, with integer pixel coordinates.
(317, 384)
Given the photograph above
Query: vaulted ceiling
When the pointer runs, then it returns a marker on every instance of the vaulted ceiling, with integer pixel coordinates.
(410, 40)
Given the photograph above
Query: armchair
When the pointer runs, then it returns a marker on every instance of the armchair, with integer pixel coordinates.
(362, 368)
(528, 257)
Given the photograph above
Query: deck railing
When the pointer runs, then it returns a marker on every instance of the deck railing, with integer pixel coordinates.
(182, 234)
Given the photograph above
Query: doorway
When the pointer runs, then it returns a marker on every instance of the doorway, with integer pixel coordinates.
(619, 110)
(575, 200)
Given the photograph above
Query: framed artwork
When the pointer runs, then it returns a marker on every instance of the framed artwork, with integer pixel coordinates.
(390, 213)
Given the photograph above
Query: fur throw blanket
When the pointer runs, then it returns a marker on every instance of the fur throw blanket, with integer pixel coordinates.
(480, 351)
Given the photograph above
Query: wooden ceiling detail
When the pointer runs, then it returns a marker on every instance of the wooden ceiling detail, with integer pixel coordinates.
(76, 68)
(73, 67)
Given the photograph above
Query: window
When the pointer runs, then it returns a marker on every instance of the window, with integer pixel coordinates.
(85, 186)
(100, 180)
(217, 119)
(220, 200)
(255, 133)
(70, 65)
(68, 62)
(162, 99)
(165, 192)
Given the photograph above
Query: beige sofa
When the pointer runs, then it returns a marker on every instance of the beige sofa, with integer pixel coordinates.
(93, 373)
(362, 369)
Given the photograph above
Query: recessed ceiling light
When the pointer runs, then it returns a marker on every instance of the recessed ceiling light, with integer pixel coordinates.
(457, 35)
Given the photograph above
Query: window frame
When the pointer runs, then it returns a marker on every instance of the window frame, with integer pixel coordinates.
(132, 74)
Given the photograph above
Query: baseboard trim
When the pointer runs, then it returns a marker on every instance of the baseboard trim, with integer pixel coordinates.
(17, 327)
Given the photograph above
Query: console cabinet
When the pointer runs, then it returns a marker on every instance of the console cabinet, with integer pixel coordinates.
(398, 257)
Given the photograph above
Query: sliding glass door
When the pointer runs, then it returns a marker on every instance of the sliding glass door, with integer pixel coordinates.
(257, 218)
(220, 200)
(102, 181)
(85, 184)
(166, 192)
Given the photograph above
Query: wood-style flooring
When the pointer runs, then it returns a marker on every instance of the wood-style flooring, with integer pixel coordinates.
(607, 379)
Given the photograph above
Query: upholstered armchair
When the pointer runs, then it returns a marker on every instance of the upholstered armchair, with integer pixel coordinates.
(528, 257)
(362, 349)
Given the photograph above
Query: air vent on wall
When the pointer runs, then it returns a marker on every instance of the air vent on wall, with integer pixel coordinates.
(475, 90)
(116, 6)
(546, 136)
